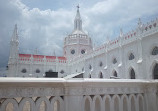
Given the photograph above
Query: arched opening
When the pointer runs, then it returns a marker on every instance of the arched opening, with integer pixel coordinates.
(115, 74)
(87, 105)
(116, 104)
(56, 106)
(97, 105)
(155, 51)
(131, 56)
(132, 74)
(114, 61)
(107, 104)
(9, 107)
(133, 104)
(125, 107)
(140, 104)
(155, 72)
(100, 75)
(89, 75)
(27, 106)
(42, 106)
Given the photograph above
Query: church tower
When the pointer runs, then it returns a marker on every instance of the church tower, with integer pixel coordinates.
(77, 43)
(13, 57)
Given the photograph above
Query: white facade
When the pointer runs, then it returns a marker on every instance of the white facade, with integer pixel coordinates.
(132, 55)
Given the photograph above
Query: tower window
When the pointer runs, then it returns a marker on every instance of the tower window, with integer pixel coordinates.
(73, 51)
(131, 56)
(23, 71)
(82, 51)
(155, 51)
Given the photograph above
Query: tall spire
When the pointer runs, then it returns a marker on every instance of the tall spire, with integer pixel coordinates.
(15, 34)
(78, 21)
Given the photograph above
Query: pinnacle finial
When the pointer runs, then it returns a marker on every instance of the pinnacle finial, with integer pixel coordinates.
(121, 32)
(139, 22)
(78, 6)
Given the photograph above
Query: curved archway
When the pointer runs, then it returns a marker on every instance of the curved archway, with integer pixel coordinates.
(97, 102)
(132, 74)
(140, 100)
(97, 105)
(155, 71)
(57, 103)
(132, 100)
(107, 100)
(42, 101)
(10, 102)
(87, 103)
(25, 102)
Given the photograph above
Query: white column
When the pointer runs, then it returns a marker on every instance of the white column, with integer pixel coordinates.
(150, 98)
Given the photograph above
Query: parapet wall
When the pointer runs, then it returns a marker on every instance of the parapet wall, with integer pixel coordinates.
(78, 94)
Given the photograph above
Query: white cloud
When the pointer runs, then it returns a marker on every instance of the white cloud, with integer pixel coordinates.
(46, 29)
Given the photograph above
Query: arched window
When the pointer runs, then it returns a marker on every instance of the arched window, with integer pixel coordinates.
(115, 74)
(100, 75)
(90, 67)
(23, 70)
(155, 72)
(37, 71)
(114, 61)
(101, 64)
(155, 51)
(131, 56)
(132, 74)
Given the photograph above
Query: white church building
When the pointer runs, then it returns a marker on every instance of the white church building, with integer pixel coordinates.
(132, 55)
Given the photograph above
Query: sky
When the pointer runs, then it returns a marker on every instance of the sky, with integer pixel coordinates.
(43, 24)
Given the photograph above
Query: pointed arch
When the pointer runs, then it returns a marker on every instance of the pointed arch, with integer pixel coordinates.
(155, 71)
(155, 50)
(131, 56)
(100, 75)
(115, 73)
(132, 73)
